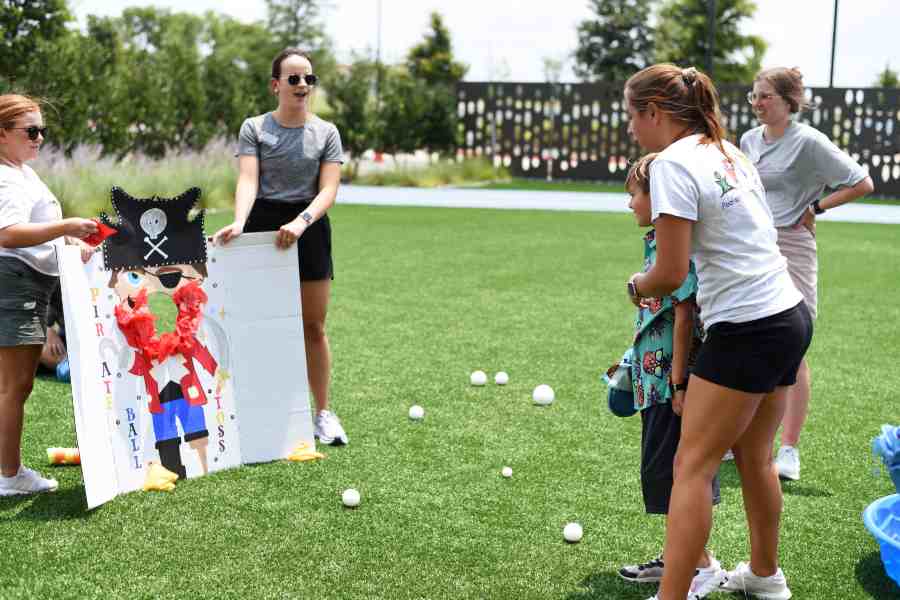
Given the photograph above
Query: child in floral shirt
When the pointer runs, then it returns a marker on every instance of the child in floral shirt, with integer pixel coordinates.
(667, 335)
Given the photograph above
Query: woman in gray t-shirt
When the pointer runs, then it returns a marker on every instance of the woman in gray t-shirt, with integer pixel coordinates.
(289, 164)
(796, 164)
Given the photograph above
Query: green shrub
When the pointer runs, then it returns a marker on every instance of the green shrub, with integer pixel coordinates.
(443, 172)
(82, 182)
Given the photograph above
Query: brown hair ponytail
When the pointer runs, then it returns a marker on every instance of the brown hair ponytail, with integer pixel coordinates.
(13, 106)
(686, 95)
(788, 84)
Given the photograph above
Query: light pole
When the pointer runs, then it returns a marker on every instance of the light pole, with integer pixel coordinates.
(833, 44)
(710, 35)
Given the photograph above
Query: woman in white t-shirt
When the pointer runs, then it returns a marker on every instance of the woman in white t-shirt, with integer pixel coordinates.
(708, 204)
(796, 163)
(31, 227)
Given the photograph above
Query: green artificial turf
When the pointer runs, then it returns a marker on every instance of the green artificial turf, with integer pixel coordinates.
(421, 298)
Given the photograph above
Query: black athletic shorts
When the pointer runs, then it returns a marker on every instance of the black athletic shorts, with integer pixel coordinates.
(660, 433)
(759, 355)
(314, 246)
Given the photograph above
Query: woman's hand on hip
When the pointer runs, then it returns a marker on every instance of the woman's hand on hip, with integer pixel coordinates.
(228, 233)
(808, 220)
(678, 402)
(290, 233)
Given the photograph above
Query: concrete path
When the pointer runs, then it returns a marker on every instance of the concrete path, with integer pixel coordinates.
(577, 201)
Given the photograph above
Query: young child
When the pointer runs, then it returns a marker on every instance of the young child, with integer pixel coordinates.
(667, 334)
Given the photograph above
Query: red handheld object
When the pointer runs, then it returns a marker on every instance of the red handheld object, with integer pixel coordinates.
(103, 231)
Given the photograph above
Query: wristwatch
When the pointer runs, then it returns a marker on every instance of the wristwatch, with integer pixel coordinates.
(816, 208)
(306, 217)
(678, 387)
(632, 288)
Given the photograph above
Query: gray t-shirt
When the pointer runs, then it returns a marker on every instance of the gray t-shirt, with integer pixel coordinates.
(796, 168)
(289, 157)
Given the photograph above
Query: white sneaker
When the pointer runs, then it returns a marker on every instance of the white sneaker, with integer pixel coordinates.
(729, 455)
(26, 481)
(328, 429)
(743, 580)
(707, 580)
(788, 463)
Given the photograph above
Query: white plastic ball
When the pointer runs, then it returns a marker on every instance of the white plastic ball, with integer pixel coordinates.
(501, 378)
(350, 498)
(543, 395)
(573, 533)
(506, 471)
(416, 412)
(478, 378)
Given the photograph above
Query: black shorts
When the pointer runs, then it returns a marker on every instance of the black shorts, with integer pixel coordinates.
(314, 246)
(759, 355)
(660, 433)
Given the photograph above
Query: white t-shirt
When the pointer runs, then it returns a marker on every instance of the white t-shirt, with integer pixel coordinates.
(25, 199)
(742, 275)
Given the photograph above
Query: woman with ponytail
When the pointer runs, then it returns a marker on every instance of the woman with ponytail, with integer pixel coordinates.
(708, 204)
(797, 163)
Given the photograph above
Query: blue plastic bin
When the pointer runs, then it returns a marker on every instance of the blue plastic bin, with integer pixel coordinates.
(882, 519)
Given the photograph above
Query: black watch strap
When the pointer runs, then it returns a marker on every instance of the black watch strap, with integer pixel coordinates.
(816, 208)
(678, 387)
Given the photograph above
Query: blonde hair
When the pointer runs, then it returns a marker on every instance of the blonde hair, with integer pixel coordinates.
(687, 95)
(639, 173)
(788, 84)
(13, 106)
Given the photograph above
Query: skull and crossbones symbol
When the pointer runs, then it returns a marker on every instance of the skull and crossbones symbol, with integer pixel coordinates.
(153, 222)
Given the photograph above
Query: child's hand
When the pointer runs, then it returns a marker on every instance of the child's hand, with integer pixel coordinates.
(678, 402)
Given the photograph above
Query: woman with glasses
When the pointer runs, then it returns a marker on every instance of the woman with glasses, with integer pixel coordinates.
(31, 229)
(708, 204)
(797, 163)
(289, 163)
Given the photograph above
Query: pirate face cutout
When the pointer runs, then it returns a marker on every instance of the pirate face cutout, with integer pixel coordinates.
(165, 280)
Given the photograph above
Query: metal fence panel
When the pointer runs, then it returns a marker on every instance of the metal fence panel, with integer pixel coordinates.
(580, 130)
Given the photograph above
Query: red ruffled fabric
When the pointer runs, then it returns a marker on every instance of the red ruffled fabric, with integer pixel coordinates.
(138, 324)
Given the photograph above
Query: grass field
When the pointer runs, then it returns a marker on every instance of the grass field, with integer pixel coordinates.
(421, 298)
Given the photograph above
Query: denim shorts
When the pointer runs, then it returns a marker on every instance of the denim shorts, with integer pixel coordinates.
(24, 300)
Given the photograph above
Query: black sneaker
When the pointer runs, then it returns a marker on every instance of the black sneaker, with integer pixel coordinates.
(649, 572)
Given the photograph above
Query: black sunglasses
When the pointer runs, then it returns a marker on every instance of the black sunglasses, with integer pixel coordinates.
(310, 79)
(33, 132)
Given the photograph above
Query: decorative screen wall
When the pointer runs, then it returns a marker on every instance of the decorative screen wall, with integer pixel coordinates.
(580, 131)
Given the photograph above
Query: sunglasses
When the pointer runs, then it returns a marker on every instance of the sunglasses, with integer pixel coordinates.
(170, 279)
(310, 79)
(753, 97)
(33, 132)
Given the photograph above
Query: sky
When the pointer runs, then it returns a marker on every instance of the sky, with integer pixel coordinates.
(500, 39)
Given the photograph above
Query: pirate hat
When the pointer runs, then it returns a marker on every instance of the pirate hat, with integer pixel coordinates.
(153, 232)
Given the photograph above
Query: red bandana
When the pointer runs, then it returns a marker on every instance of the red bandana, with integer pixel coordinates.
(138, 324)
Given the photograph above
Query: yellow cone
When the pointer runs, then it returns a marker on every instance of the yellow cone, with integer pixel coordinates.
(159, 479)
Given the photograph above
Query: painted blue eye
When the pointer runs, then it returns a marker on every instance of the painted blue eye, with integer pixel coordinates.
(134, 278)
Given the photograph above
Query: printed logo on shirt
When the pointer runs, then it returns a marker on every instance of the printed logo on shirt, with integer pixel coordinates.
(267, 138)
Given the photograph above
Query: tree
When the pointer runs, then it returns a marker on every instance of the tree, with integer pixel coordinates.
(23, 25)
(887, 78)
(298, 23)
(403, 110)
(353, 108)
(432, 59)
(616, 43)
(433, 75)
(682, 38)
